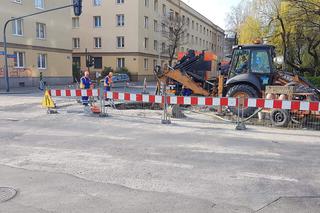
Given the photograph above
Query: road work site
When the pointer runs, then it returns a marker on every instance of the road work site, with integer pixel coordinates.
(74, 161)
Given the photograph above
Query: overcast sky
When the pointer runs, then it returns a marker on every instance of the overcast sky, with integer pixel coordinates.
(215, 10)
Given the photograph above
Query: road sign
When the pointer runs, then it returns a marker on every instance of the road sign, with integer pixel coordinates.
(9, 55)
(47, 101)
(12, 56)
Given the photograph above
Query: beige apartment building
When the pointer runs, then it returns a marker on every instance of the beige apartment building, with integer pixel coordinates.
(127, 33)
(40, 43)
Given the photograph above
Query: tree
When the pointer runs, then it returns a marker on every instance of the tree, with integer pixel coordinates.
(250, 30)
(174, 30)
(237, 16)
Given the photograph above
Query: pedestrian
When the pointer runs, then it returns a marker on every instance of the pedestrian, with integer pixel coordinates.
(108, 82)
(85, 83)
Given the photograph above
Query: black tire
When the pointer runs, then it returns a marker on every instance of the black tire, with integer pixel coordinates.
(249, 91)
(280, 117)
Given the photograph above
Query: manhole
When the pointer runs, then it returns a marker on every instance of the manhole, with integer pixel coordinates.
(7, 194)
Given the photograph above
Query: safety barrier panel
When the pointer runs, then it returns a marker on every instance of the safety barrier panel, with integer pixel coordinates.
(192, 100)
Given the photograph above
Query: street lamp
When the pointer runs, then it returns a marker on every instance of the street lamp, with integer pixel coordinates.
(77, 7)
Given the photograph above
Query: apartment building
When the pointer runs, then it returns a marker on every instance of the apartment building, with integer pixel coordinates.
(127, 33)
(38, 45)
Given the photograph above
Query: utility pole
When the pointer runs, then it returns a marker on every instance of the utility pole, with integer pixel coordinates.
(87, 59)
(77, 5)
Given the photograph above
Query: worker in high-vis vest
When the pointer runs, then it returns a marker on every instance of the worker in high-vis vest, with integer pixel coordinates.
(108, 82)
(85, 83)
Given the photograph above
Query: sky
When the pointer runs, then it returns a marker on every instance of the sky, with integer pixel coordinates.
(215, 10)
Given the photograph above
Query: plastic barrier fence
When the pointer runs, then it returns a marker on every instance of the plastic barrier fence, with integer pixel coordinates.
(193, 100)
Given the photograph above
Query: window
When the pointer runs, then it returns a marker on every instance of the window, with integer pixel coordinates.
(145, 64)
(75, 22)
(155, 5)
(163, 26)
(97, 2)
(76, 43)
(171, 15)
(155, 45)
(260, 61)
(120, 1)
(146, 22)
(192, 24)
(41, 30)
(98, 62)
(17, 27)
(120, 20)
(120, 41)
(97, 42)
(163, 47)
(39, 4)
(200, 28)
(19, 60)
(155, 26)
(146, 41)
(146, 3)
(188, 22)
(97, 21)
(42, 61)
(164, 9)
(120, 62)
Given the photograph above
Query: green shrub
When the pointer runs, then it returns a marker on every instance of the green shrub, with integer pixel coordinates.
(123, 70)
(314, 80)
(106, 72)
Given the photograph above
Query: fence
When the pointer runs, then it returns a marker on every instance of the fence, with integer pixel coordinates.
(266, 112)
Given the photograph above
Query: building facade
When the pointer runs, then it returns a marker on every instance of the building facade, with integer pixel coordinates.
(38, 45)
(127, 33)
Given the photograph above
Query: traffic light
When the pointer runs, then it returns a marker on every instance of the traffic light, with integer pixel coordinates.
(90, 61)
(77, 7)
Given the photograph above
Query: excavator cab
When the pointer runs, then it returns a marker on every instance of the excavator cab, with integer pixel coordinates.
(252, 65)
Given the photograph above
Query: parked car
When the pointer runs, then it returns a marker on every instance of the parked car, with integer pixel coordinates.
(118, 78)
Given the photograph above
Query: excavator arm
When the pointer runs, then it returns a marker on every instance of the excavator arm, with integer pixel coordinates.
(180, 77)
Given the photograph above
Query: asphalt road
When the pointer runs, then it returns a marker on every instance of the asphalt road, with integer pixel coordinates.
(129, 162)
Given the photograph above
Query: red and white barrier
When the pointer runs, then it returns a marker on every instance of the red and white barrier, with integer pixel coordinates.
(192, 100)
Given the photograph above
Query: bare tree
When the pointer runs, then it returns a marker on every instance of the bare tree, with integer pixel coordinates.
(174, 30)
(237, 16)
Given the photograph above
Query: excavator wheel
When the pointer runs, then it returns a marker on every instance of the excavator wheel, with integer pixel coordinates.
(246, 91)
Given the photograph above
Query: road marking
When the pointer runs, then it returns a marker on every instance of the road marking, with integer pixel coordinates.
(177, 165)
(269, 177)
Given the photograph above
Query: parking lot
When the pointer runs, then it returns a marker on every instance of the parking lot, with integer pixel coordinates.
(129, 162)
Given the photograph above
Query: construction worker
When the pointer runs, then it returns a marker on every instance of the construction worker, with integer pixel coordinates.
(85, 83)
(108, 82)
(243, 68)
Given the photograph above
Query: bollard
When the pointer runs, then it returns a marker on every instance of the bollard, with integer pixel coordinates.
(240, 123)
(102, 95)
(165, 119)
(144, 91)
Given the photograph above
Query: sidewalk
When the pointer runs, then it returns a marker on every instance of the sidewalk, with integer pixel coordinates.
(21, 90)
